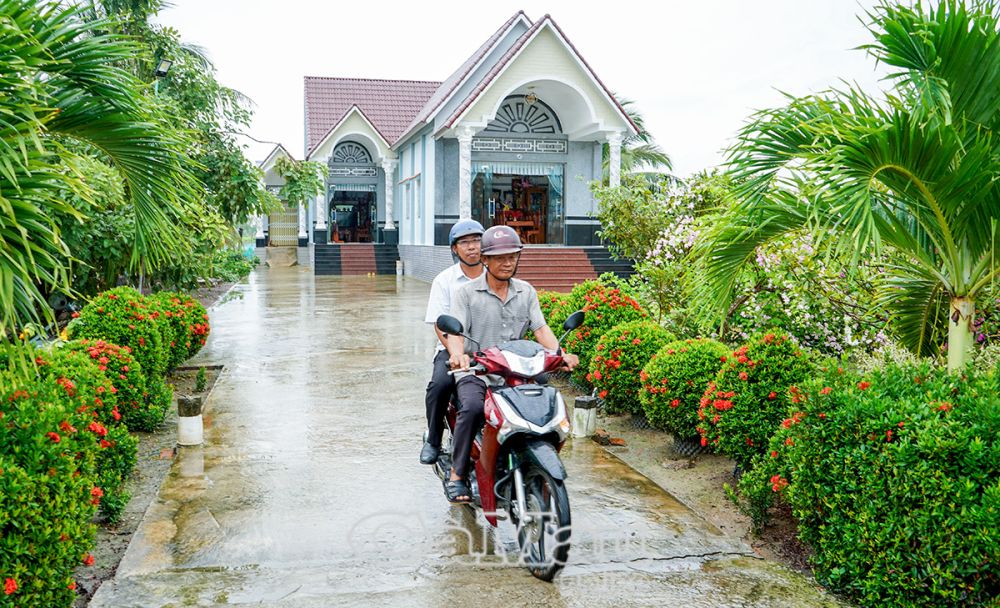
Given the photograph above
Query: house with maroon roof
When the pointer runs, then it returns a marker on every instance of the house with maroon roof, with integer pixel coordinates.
(514, 136)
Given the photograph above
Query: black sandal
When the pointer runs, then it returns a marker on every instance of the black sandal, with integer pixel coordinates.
(455, 489)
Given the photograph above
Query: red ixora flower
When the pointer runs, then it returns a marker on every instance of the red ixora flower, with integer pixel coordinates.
(88, 560)
(9, 586)
(772, 395)
(675, 403)
(743, 375)
(53, 436)
(602, 394)
(826, 390)
(864, 385)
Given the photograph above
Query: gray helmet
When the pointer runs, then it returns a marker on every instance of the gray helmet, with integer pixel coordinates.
(499, 240)
(464, 228)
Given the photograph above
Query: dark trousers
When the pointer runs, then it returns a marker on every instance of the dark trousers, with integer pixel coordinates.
(471, 399)
(439, 391)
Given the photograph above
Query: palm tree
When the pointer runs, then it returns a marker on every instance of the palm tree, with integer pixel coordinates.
(915, 174)
(61, 95)
(638, 151)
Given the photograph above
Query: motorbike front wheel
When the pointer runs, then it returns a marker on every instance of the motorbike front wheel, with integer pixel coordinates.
(544, 539)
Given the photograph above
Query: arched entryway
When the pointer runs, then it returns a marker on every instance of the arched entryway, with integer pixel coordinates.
(518, 166)
(352, 194)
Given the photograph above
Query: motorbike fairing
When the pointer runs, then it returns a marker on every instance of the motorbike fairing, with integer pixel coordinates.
(534, 402)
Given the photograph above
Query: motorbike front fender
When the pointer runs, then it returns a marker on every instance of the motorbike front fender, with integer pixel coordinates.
(543, 454)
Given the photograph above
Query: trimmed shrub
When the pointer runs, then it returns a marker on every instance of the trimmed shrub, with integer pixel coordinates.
(120, 317)
(894, 478)
(125, 373)
(158, 398)
(620, 355)
(189, 320)
(48, 492)
(88, 389)
(603, 307)
(555, 308)
(742, 407)
(674, 381)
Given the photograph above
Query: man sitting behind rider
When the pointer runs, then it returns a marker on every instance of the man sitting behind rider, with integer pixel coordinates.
(464, 238)
(493, 308)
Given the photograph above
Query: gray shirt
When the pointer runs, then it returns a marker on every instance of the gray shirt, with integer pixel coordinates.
(490, 320)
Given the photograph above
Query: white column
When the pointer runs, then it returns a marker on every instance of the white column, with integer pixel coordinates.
(302, 220)
(389, 167)
(320, 211)
(615, 162)
(465, 172)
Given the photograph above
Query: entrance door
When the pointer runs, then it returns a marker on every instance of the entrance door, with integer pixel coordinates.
(519, 201)
(352, 217)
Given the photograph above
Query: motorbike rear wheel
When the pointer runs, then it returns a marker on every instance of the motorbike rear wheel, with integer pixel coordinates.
(544, 541)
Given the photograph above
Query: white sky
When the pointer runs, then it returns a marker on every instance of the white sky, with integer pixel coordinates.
(696, 68)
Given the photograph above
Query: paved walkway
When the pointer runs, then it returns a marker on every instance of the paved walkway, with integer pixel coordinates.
(308, 492)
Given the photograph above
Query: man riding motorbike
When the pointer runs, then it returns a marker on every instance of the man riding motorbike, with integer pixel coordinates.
(464, 238)
(493, 308)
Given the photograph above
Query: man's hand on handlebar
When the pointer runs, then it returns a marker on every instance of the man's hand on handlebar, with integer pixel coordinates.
(571, 361)
(459, 361)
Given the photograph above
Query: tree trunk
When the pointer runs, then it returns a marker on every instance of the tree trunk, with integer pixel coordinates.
(960, 332)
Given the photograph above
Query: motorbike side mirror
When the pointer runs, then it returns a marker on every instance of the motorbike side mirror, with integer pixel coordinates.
(449, 325)
(572, 322)
(575, 320)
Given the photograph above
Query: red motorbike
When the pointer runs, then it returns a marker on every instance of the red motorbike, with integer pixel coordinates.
(517, 469)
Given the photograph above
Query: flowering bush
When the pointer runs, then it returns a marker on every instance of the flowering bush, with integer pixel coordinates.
(605, 303)
(119, 316)
(620, 355)
(743, 406)
(189, 320)
(47, 490)
(812, 297)
(556, 307)
(138, 411)
(674, 380)
(894, 478)
(88, 389)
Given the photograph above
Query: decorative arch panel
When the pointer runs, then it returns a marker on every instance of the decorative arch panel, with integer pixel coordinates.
(524, 115)
(351, 153)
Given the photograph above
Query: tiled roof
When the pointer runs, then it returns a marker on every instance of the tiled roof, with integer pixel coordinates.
(510, 54)
(390, 105)
(452, 82)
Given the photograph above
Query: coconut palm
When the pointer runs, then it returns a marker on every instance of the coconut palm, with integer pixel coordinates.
(61, 96)
(638, 151)
(914, 174)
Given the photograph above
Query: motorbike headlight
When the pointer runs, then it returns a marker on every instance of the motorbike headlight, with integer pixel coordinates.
(528, 367)
(512, 421)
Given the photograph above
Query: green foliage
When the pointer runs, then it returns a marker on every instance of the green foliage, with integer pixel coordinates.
(190, 321)
(674, 381)
(742, 407)
(47, 476)
(119, 316)
(231, 266)
(605, 302)
(556, 309)
(915, 172)
(620, 355)
(304, 179)
(126, 375)
(88, 388)
(894, 478)
(60, 84)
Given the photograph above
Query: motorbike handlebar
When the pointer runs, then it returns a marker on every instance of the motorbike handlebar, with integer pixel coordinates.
(475, 369)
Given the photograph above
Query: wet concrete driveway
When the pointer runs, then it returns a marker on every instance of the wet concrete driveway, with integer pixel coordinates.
(308, 492)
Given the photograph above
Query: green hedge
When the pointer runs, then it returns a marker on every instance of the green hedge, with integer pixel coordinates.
(605, 303)
(674, 381)
(748, 398)
(621, 353)
(895, 481)
(48, 492)
(119, 316)
(189, 322)
(88, 389)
